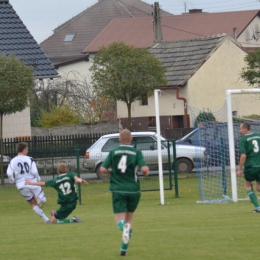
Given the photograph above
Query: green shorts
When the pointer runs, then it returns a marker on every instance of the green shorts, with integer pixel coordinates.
(252, 174)
(65, 210)
(125, 202)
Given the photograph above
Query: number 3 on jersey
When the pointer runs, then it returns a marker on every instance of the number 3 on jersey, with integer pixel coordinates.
(256, 147)
(122, 165)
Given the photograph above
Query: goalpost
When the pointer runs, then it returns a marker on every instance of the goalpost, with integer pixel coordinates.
(218, 132)
(229, 94)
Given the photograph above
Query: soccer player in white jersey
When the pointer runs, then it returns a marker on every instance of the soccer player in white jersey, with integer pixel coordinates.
(22, 168)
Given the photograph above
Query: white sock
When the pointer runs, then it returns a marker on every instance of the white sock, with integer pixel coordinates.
(40, 213)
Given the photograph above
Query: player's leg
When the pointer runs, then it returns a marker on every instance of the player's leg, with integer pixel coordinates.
(39, 195)
(29, 197)
(59, 217)
(249, 177)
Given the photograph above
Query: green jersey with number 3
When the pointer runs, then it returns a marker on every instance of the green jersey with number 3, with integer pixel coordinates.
(64, 184)
(250, 145)
(124, 161)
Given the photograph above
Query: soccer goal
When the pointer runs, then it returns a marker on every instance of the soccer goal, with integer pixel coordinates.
(218, 132)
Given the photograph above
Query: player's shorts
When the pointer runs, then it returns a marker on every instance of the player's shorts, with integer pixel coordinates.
(125, 202)
(29, 192)
(252, 174)
(65, 210)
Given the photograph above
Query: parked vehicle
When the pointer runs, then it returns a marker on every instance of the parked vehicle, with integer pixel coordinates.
(147, 143)
(214, 137)
(6, 160)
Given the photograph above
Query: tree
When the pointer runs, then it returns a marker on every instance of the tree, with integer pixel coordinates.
(16, 78)
(251, 73)
(58, 116)
(126, 74)
(73, 90)
(204, 117)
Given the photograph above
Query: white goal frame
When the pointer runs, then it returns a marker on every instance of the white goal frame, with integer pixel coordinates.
(229, 93)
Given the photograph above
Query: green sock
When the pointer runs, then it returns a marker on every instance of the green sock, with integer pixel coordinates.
(124, 246)
(253, 198)
(63, 221)
(120, 224)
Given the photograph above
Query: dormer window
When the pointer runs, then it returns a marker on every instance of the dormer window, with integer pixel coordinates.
(69, 37)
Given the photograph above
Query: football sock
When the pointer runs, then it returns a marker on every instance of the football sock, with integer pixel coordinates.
(40, 213)
(253, 198)
(63, 221)
(120, 224)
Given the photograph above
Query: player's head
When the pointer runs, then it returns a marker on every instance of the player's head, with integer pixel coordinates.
(244, 128)
(22, 148)
(62, 168)
(125, 137)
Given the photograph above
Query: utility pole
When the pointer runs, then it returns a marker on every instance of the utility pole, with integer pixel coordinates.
(185, 7)
(157, 22)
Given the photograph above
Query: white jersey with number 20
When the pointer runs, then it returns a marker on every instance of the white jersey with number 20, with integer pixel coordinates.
(21, 168)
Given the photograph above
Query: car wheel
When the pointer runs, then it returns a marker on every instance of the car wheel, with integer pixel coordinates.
(100, 175)
(184, 165)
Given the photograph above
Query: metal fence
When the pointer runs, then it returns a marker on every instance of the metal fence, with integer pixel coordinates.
(48, 158)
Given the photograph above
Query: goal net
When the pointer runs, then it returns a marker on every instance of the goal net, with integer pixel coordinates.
(218, 132)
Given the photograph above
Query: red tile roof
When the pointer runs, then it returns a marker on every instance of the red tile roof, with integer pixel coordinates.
(139, 31)
(89, 23)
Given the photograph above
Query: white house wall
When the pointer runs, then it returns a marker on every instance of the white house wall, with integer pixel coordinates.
(246, 36)
(168, 105)
(17, 124)
(206, 89)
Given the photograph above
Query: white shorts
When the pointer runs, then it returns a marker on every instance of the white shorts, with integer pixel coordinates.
(29, 192)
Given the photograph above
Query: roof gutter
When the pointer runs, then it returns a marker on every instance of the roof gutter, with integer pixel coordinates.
(186, 122)
(46, 77)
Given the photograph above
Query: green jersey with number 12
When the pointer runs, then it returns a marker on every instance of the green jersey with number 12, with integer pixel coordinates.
(64, 184)
(250, 145)
(124, 161)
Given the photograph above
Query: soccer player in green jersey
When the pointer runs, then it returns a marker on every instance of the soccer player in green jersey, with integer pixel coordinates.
(124, 184)
(64, 184)
(250, 158)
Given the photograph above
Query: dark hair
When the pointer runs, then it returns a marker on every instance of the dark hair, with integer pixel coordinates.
(62, 168)
(246, 126)
(21, 146)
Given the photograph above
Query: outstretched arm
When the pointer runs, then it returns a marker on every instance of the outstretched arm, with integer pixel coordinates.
(79, 180)
(105, 170)
(39, 183)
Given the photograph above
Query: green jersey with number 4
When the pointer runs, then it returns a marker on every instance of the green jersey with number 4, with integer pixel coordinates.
(64, 184)
(124, 161)
(250, 145)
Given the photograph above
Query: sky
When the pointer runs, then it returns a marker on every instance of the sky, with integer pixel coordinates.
(41, 17)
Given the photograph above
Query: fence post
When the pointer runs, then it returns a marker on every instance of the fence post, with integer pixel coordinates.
(175, 169)
(169, 163)
(78, 173)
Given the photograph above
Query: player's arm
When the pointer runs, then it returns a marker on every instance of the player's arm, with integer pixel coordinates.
(38, 183)
(79, 180)
(145, 170)
(106, 164)
(10, 173)
(34, 170)
(241, 164)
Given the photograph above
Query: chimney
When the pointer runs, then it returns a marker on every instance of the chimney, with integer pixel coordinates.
(195, 11)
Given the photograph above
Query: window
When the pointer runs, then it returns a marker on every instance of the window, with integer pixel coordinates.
(144, 143)
(144, 102)
(110, 145)
(151, 122)
(69, 37)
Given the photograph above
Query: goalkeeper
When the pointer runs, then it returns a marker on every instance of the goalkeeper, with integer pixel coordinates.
(250, 158)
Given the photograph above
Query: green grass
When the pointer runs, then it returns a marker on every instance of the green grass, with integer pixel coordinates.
(181, 229)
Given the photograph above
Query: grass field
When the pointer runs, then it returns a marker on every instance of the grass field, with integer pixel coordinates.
(181, 229)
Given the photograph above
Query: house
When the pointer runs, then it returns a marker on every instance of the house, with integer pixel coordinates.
(72, 37)
(16, 39)
(242, 25)
(198, 73)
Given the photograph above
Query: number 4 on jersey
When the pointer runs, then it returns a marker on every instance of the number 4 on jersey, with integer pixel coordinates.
(122, 165)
